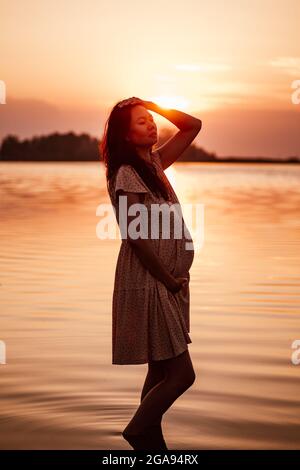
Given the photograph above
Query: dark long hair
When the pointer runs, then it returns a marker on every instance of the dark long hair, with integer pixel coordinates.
(116, 151)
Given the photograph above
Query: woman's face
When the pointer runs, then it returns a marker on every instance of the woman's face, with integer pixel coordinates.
(143, 130)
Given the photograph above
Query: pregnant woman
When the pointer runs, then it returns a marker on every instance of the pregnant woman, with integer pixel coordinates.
(151, 298)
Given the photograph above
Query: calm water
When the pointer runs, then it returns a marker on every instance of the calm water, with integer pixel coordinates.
(59, 389)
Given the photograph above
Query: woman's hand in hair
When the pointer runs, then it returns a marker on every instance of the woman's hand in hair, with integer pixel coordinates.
(134, 100)
(131, 101)
(149, 105)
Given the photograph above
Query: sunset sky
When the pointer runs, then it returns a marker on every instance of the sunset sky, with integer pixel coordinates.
(232, 64)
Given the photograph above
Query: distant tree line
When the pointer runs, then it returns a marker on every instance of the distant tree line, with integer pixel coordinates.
(73, 147)
(84, 148)
(53, 147)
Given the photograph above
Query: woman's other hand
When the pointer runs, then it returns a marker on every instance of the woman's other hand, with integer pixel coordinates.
(177, 284)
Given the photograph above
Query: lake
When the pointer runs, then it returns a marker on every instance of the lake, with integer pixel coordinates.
(59, 389)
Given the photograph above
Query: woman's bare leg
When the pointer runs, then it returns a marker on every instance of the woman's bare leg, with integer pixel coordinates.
(155, 375)
(179, 377)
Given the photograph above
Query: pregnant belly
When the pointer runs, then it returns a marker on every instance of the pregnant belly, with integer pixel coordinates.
(187, 248)
(185, 257)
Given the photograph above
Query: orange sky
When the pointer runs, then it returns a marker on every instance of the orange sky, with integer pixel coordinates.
(232, 64)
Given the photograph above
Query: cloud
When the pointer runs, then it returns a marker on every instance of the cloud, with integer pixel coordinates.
(164, 78)
(289, 65)
(203, 67)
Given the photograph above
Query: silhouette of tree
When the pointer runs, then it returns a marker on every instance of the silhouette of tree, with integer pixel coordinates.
(54, 147)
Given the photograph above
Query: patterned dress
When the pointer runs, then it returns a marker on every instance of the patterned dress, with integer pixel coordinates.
(149, 322)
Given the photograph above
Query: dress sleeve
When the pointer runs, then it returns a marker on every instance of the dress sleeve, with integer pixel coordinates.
(129, 180)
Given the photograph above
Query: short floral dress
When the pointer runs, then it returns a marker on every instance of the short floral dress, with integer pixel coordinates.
(149, 322)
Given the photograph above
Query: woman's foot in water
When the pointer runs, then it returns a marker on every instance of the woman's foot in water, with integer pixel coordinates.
(156, 432)
(151, 439)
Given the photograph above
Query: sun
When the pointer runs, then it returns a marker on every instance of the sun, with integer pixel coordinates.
(171, 102)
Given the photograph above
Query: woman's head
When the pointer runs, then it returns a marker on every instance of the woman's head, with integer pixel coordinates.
(142, 130)
(128, 128)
